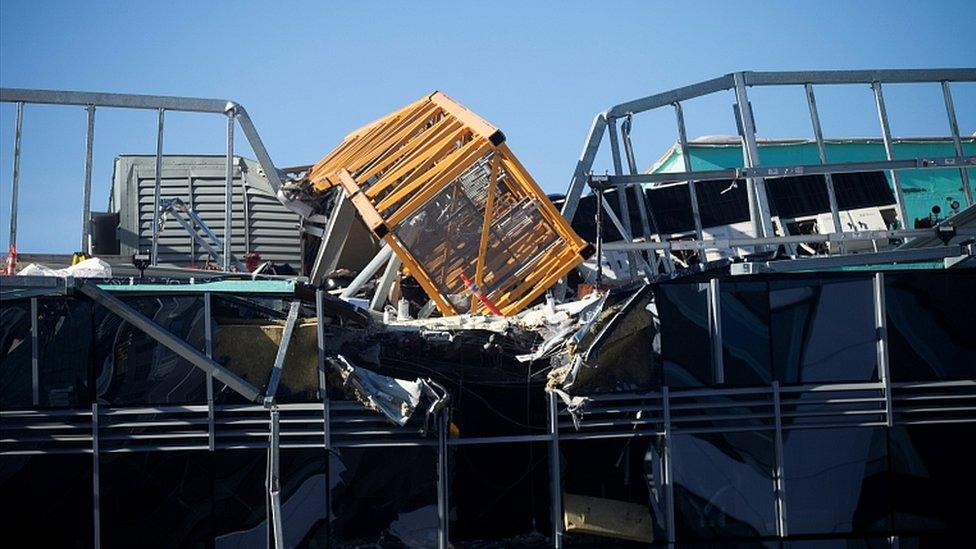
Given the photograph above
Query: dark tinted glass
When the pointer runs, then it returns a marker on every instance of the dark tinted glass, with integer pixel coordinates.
(65, 341)
(239, 494)
(386, 494)
(931, 323)
(823, 331)
(723, 485)
(933, 477)
(134, 369)
(836, 481)
(48, 501)
(15, 355)
(685, 346)
(160, 498)
(745, 333)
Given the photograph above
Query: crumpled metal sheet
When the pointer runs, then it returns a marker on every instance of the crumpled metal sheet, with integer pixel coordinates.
(397, 399)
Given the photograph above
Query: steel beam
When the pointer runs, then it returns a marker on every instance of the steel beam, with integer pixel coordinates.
(779, 482)
(368, 271)
(666, 473)
(275, 377)
(326, 405)
(15, 185)
(334, 238)
(686, 160)
(778, 240)
(762, 222)
(607, 181)
(170, 341)
(822, 151)
(208, 349)
(584, 166)
(619, 170)
(908, 255)
(157, 188)
(890, 152)
(86, 201)
(881, 324)
(903, 76)
(646, 216)
(715, 330)
(555, 473)
(669, 97)
(229, 193)
(276, 537)
(385, 284)
(443, 480)
(954, 129)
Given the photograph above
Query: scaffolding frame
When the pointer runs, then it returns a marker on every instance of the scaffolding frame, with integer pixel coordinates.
(755, 174)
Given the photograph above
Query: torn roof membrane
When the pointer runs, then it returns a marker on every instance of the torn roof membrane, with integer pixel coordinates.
(439, 185)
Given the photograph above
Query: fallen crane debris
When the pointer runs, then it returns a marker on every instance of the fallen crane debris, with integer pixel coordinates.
(441, 188)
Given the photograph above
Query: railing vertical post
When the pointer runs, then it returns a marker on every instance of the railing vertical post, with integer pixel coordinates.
(96, 493)
(881, 324)
(86, 212)
(622, 200)
(443, 492)
(229, 191)
(326, 405)
(822, 151)
(555, 473)
(758, 203)
(779, 484)
(715, 329)
(954, 128)
(666, 472)
(647, 217)
(14, 190)
(157, 189)
(686, 158)
(890, 152)
(35, 355)
(208, 341)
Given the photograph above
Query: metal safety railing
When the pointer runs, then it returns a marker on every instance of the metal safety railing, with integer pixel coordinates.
(755, 174)
(234, 113)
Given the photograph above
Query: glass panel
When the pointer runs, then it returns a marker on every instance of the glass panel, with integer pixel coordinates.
(823, 331)
(685, 346)
(386, 496)
(239, 494)
(48, 501)
(745, 333)
(159, 498)
(64, 328)
(930, 325)
(932, 478)
(132, 368)
(616, 469)
(836, 481)
(723, 485)
(15, 355)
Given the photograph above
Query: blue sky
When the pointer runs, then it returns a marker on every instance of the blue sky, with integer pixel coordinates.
(309, 73)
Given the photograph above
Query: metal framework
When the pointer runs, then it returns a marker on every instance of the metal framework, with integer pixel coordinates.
(755, 174)
(442, 189)
(234, 112)
(330, 424)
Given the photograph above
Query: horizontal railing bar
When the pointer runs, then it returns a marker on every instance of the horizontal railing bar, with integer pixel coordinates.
(771, 172)
(883, 76)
